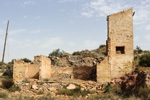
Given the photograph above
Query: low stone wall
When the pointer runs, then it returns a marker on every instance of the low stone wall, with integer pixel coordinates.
(45, 67)
(103, 71)
(83, 73)
(40, 69)
(19, 71)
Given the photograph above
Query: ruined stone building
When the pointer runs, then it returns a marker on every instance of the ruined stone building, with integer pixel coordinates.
(119, 47)
(40, 69)
(116, 64)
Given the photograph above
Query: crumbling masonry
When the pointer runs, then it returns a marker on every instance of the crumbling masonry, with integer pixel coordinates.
(116, 64)
(40, 69)
(119, 47)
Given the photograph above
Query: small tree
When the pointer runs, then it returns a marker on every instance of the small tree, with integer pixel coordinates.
(26, 60)
(145, 60)
(138, 50)
(56, 52)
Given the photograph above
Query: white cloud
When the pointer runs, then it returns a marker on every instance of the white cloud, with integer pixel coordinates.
(90, 43)
(24, 4)
(18, 31)
(25, 16)
(28, 2)
(147, 27)
(51, 42)
(39, 31)
(100, 8)
(62, 1)
(88, 14)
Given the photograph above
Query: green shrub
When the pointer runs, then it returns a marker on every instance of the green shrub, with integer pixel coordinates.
(7, 83)
(14, 88)
(56, 52)
(25, 81)
(102, 46)
(46, 79)
(40, 92)
(85, 53)
(144, 93)
(26, 60)
(74, 92)
(47, 97)
(138, 50)
(3, 95)
(107, 88)
(145, 60)
(5, 77)
(9, 71)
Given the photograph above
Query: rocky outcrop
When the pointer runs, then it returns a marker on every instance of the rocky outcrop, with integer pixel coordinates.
(74, 61)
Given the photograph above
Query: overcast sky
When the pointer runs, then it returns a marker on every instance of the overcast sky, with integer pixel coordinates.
(40, 26)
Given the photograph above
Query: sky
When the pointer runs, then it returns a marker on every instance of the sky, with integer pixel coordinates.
(37, 27)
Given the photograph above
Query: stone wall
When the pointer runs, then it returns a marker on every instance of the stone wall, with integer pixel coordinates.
(62, 72)
(19, 71)
(45, 67)
(40, 69)
(119, 47)
(83, 73)
(120, 34)
(103, 71)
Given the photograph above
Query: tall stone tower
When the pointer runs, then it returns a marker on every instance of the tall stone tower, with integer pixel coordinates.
(119, 47)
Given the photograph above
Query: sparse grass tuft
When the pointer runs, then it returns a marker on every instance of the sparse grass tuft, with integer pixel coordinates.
(40, 92)
(47, 97)
(46, 79)
(3, 95)
(26, 81)
(14, 88)
(75, 92)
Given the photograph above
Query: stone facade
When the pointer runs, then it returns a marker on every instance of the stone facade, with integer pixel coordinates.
(119, 47)
(40, 69)
(83, 73)
(117, 63)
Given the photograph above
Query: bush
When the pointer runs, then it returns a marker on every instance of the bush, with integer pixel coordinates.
(9, 71)
(7, 83)
(107, 88)
(26, 81)
(138, 50)
(40, 92)
(46, 79)
(26, 60)
(74, 92)
(145, 60)
(85, 53)
(47, 97)
(56, 52)
(3, 95)
(144, 93)
(14, 88)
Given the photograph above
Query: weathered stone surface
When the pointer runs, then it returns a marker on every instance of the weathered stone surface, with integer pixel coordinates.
(34, 87)
(71, 86)
(40, 69)
(119, 47)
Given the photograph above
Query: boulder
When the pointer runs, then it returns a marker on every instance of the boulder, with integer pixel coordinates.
(34, 87)
(71, 86)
